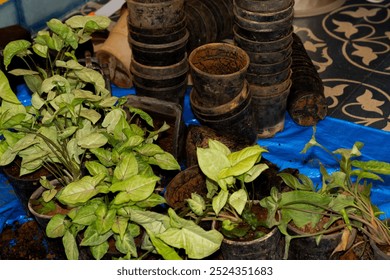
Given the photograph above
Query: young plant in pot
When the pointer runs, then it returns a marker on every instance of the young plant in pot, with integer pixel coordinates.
(116, 209)
(228, 203)
(342, 204)
(67, 104)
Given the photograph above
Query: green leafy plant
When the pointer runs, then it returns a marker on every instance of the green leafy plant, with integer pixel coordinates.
(117, 200)
(69, 101)
(344, 196)
(227, 176)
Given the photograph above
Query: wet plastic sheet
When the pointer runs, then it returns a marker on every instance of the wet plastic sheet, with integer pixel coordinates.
(283, 149)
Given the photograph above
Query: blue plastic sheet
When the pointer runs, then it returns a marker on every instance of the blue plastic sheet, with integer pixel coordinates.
(284, 150)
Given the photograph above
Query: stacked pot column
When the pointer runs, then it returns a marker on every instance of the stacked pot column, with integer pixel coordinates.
(208, 21)
(158, 37)
(220, 97)
(263, 28)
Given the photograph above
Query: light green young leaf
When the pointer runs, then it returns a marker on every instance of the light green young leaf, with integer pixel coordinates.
(34, 83)
(80, 191)
(149, 150)
(189, 236)
(70, 246)
(165, 161)
(108, 102)
(238, 200)
(152, 201)
(163, 248)
(64, 32)
(86, 95)
(197, 204)
(139, 187)
(211, 162)
(36, 101)
(242, 161)
(379, 167)
(17, 47)
(92, 115)
(93, 238)
(119, 226)
(6, 92)
(95, 167)
(56, 81)
(104, 156)
(95, 78)
(85, 215)
(219, 146)
(97, 22)
(100, 250)
(145, 116)
(57, 226)
(41, 50)
(104, 224)
(255, 172)
(112, 119)
(126, 168)
(126, 244)
(220, 201)
(151, 221)
(93, 141)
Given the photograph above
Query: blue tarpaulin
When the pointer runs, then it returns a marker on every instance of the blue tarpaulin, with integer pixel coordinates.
(284, 150)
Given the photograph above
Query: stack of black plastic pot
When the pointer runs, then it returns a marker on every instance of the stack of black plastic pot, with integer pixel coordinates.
(264, 30)
(208, 21)
(158, 38)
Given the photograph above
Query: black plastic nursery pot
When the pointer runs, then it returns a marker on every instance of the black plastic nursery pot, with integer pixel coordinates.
(159, 30)
(268, 79)
(159, 54)
(268, 16)
(264, 25)
(142, 36)
(270, 57)
(174, 93)
(218, 72)
(262, 42)
(306, 248)
(234, 119)
(155, 14)
(268, 247)
(269, 111)
(266, 69)
(263, 5)
(160, 76)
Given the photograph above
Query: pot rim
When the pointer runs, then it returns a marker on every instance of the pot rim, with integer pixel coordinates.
(288, 37)
(263, 14)
(230, 47)
(175, 70)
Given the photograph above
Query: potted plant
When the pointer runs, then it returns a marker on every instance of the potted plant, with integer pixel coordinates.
(229, 204)
(343, 201)
(117, 201)
(67, 104)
